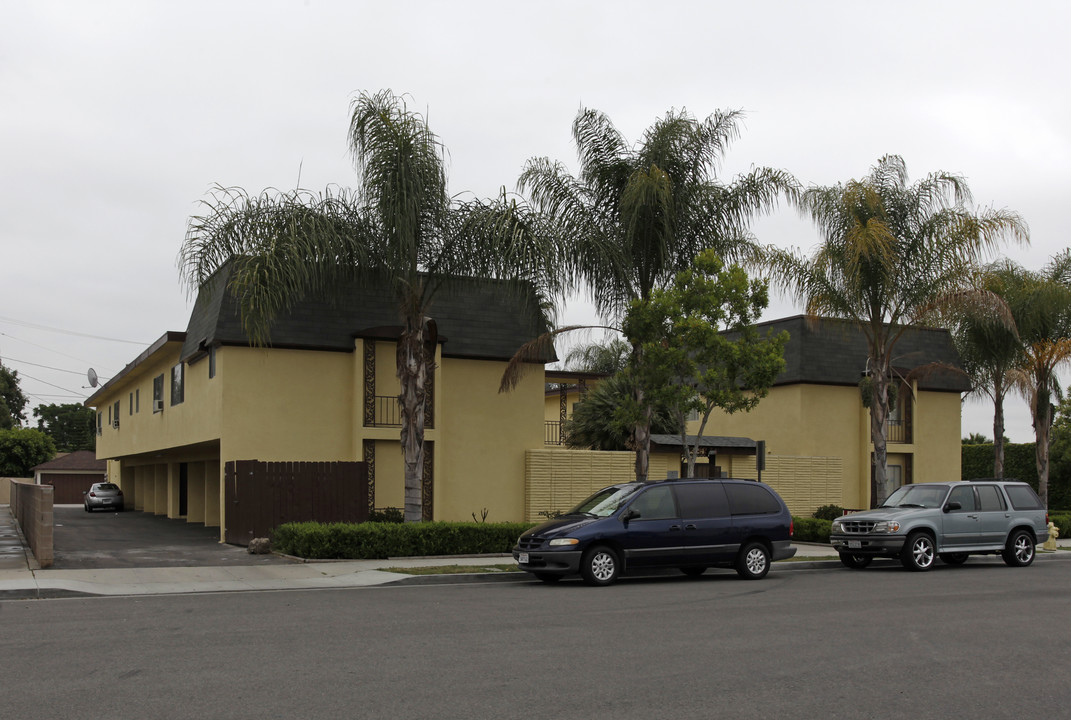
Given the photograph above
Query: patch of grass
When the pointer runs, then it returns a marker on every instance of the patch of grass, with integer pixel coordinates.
(452, 569)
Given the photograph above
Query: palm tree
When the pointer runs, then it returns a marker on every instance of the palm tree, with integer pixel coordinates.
(635, 216)
(1041, 305)
(399, 230)
(991, 352)
(892, 255)
(607, 358)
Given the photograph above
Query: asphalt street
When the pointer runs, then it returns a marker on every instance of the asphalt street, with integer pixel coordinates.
(978, 641)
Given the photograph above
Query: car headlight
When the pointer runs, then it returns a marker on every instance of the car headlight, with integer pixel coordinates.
(838, 526)
(558, 542)
(886, 526)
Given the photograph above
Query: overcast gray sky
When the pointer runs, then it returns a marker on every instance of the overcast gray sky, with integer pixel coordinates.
(116, 118)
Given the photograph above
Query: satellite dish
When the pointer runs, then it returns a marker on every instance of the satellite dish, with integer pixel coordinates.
(92, 377)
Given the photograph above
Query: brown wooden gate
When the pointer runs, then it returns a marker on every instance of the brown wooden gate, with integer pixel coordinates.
(263, 495)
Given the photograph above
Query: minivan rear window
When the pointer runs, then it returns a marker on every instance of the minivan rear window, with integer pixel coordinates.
(751, 499)
(1023, 497)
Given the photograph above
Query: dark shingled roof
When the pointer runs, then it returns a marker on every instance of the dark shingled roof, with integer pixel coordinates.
(77, 460)
(828, 351)
(475, 319)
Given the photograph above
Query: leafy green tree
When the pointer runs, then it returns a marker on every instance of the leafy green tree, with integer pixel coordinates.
(400, 229)
(892, 255)
(23, 448)
(1040, 302)
(71, 426)
(700, 347)
(12, 401)
(634, 216)
(977, 439)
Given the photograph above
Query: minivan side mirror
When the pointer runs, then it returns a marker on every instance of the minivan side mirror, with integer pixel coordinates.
(949, 507)
(630, 514)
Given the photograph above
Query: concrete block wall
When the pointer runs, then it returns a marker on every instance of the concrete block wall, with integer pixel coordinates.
(32, 507)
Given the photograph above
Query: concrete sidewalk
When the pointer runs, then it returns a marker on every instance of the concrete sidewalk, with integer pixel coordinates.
(20, 578)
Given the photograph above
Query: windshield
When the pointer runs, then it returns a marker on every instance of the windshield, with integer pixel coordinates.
(924, 495)
(606, 502)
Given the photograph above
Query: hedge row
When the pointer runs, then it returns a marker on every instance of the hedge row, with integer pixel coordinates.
(378, 540)
(812, 530)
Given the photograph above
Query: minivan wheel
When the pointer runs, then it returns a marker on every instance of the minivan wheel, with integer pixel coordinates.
(600, 566)
(693, 570)
(953, 558)
(1019, 552)
(855, 562)
(918, 553)
(753, 562)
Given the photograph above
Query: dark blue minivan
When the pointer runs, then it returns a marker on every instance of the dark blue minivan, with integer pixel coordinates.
(687, 524)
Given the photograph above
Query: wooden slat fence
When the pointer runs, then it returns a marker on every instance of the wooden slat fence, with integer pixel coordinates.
(263, 495)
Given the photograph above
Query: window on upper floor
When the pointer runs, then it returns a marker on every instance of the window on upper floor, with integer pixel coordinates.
(178, 384)
(158, 393)
(115, 418)
(100, 422)
(137, 400)
(212, 361)
(131, 404)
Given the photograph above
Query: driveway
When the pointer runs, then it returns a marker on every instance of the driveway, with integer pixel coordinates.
(133, 539)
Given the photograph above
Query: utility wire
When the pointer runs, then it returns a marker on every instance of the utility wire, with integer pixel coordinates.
(72, 357)
(46, 367)
(35, 326)
(31, 377)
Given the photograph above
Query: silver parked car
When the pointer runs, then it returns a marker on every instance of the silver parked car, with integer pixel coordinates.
(950, 521)
(103, 495)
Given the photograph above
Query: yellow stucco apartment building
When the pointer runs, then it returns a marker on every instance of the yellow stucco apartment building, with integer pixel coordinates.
(326, 391)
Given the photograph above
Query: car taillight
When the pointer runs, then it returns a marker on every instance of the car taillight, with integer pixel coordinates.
(92, 494)
(791, 527)
(120, 493)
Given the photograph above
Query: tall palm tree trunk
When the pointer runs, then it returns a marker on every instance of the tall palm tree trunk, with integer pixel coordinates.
(412, 375)
(998, 430)
(1042, 424)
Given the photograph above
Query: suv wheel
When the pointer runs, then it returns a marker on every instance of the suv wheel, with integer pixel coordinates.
(855, 562)
(600, 566)
(1019, 552)
(753, 562)
(918, 553)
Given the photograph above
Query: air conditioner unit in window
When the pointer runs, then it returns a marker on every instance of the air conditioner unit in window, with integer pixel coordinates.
(157, 405)
(115, 424)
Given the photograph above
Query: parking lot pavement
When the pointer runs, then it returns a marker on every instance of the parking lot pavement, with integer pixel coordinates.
(133, 539)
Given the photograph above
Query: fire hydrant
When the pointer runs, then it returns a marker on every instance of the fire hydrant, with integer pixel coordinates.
(1054, 532)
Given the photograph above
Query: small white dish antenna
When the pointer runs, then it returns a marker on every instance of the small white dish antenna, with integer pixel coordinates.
(92, 377)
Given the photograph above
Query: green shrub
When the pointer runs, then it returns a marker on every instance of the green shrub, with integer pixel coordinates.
(1062, 521)
(828, 512)
(389, 515)
(813, 530)
(377, 540)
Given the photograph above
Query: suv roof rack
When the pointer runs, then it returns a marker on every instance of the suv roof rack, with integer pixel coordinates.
(994, 479)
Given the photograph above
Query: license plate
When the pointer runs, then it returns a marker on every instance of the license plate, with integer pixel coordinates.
(107, 501)
(522, 558)
(855, 544)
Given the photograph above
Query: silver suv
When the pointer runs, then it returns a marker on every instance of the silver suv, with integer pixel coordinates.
(949, 520)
